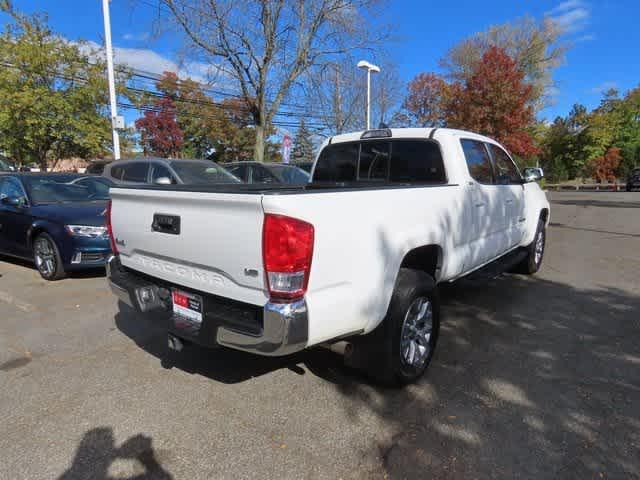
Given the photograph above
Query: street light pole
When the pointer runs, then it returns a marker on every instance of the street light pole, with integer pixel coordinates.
(370, 68)
(112, 83)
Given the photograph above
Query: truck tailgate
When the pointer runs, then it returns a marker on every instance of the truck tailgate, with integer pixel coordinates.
(217, 247)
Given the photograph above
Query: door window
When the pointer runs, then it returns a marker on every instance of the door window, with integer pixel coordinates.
(506, 171)
(136, 172)
(478, 161)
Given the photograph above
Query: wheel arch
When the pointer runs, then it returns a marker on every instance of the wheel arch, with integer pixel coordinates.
(426, 258)
(544, 215)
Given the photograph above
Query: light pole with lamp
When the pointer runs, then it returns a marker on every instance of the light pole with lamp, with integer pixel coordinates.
(369, 67)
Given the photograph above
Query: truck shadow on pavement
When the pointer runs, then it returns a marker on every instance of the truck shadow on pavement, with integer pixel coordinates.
(531, 379)
(98, 458)
(223, 365)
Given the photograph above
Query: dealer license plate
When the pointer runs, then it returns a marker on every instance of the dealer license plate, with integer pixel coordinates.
(187, 305)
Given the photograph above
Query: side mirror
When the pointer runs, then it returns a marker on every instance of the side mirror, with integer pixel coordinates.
(16, 202)
(532, 174)
(163, 181)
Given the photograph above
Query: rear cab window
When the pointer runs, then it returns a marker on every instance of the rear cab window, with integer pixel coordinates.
(387, 161)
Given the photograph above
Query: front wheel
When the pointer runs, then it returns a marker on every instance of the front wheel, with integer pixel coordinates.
(47, 258)
(535, 252)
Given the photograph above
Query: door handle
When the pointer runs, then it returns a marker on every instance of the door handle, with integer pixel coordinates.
(509, 201)
(479, 205)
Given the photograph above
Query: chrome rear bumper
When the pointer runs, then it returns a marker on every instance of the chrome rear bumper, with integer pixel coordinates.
(285, 325)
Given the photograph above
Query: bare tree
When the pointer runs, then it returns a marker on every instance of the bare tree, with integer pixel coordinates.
(266, 45)
(387, 91)
(336, 93)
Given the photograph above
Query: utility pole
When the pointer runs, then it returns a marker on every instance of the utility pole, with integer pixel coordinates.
(337, 102)
(116, 121)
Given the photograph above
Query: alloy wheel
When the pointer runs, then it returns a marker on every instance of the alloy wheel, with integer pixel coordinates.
(417, 327)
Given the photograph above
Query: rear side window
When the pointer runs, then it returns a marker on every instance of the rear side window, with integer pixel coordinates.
(395, 161)
(506, 171)
(478, 160)
(136, 172)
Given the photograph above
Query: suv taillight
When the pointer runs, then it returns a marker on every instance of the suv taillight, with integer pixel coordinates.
(112, 241)
(287, 249)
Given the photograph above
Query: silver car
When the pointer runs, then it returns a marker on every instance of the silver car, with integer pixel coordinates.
(161, 171)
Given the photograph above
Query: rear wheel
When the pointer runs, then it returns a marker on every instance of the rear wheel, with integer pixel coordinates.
(47, 258)
(408, 335)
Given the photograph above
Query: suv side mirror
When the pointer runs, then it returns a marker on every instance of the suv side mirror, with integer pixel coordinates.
(532, 174)
(16, 202)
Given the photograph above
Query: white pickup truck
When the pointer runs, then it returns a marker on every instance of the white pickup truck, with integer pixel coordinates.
(355, 255)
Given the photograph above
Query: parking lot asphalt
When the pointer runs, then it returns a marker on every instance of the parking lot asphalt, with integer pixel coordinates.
(534, 377)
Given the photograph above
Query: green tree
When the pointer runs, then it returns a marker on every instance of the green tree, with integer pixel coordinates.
(52, 97)
(302, 145)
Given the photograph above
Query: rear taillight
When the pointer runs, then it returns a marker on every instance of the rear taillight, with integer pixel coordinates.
(112, 241)
(287, 249)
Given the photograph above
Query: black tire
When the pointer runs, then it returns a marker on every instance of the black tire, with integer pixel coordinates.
(387, 361)
(532, 262)
(48, 263)
(628, 188)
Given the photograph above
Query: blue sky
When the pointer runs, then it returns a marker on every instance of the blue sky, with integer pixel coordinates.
(604, 34)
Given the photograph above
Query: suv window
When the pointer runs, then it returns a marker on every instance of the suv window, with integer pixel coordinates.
(260, 174)
(10, 187)
(402, 161)
(506, 171)
(239, 171)
(478, 160)
(116, 172)
(160, 171)
(95, 168)
(136, 172)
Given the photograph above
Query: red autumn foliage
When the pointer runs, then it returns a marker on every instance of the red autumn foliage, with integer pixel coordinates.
(159, 131)
(495, 101)
(604, 167)
(425, 99)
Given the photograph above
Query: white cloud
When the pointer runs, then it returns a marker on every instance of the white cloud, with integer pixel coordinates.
(152, 62)
(571, 15)
(136, 37)
(603, 87)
